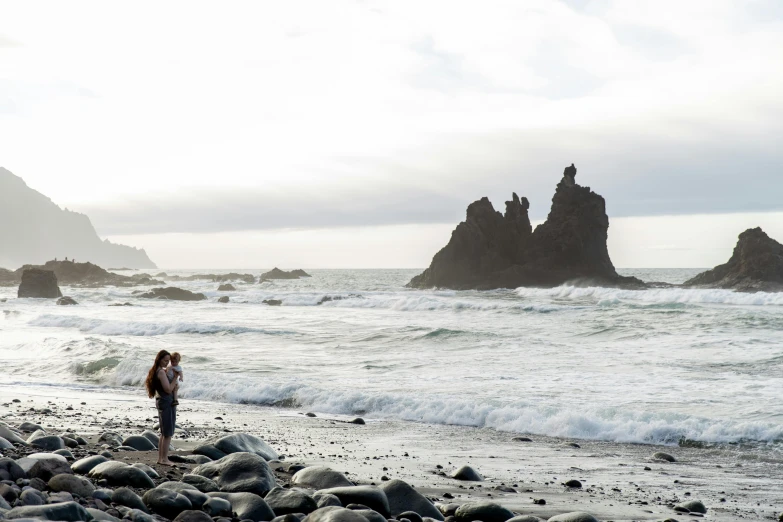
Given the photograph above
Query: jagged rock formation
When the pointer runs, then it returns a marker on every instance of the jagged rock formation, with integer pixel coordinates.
(80, 274)
(494, 250)
(39, 283)
(276, 273)
(173, 293)
(42, 230)
(755, 265)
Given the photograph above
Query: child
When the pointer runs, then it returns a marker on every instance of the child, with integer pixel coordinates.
(174, 372)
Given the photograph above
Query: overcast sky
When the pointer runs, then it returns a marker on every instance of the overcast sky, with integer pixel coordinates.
(327, 134)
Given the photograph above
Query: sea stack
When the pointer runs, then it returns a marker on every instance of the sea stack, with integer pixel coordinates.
(756, 265)
(39, 283)
(493, 250)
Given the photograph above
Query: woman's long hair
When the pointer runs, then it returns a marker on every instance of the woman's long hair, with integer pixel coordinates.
(150, 382)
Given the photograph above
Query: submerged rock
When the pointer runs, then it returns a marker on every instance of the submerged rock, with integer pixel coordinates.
(755, 265)
(39, 283)
(173, 293)
(223, 299)
(227, 287)
(66, 300)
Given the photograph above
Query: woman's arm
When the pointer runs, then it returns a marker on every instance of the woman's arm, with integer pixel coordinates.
(167, 386)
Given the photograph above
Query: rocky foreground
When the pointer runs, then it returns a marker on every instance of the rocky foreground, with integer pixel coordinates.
(335, 470)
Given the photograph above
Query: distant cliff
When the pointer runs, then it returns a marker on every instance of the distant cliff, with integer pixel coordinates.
(35, 230)
(492, 250)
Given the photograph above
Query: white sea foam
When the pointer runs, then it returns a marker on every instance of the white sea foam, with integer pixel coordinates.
(655, 295)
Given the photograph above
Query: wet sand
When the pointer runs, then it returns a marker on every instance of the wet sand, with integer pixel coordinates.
(620, 482)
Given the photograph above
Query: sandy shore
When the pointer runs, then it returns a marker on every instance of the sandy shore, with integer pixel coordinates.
(620, 482)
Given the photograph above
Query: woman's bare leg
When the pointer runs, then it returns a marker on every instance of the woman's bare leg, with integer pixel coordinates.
(163, 451)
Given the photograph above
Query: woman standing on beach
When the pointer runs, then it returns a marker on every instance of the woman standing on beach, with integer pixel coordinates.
(158, 386)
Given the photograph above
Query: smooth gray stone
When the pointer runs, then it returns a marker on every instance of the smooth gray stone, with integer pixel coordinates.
(102, 516)
(190, 459)
(139, 443)
(664, 456)
(72, 484)
(137, 515)
(467, 473)
(83, 466)
(10, 470)
(166, 502)
(215, 506)
(127, 497)
(30, 427)
(402, 497)
(64, 453)
(371, 496)
(5, 444)
(574, 516)
(47, 442)
(326, 500)
(152, 437)
(334, 514)
(412, 516)
(151, 473)
(120, 474)
(60, 496)
(196, 497)
(10, 435)
(320, 477)
(371, 515)
(247, 505)
(484, 511)
(526, 518)
(193, 516)
(693, 506)
(32, 497)
(4, 504)
(289, 501)
(245, 443)
(8, 493)
(102, 494)
(203, 484)
(239, 472)
(44, 465)
(287, 518)
(69, 442)
(208, 450)
(111, 438)
(66, 511)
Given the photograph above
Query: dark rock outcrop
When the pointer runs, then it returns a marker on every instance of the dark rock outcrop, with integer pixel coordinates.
(66, 300)
(493, 250)
(239, 472)
(173, 293)
(755, 265)
(226, 287)
(39, 283)
(223, 299)
(244, 442)
(276, 273)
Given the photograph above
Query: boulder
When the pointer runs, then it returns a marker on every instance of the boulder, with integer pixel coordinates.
(196, 497)
(72, 484)
(320, 477)
(371, 496)
(151, 473)
(755, 265)
(83, 466)
(272, 302)
(239, 472)
(30, 427)
(65, 453)
(334, 514)
(574, 516)
(11, 435)
(10, 470)
(65, 511)
(276, 273)
(223, 299)
(691, 506)
(484, 511)
(209, 450)
(32, 497)
(47, 442)
(127, 497)
(172, 293)
(402, 497)
(39, 283)
(216, 507)
(120, 474)
(139, 443)
(325, 499)
(8, 494)
(244, 442)
(191, 515)
(111, 438)
(101, 516)
(493, 250)
(66, 300)
(288, 501)
(166, 502)
(369, 514)
(152, 437)
(247, 506)
(203, 484)
(4, 444)
(226, 287)
(664, 456)
(44, 465)
(467, 473)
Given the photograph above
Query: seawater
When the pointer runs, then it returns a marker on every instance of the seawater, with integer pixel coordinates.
(652, 366)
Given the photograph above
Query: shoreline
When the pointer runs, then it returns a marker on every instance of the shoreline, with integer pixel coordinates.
(621, 482)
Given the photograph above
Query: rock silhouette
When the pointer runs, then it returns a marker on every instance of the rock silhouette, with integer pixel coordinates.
(39, 283)
(755, 265)
(493, 250)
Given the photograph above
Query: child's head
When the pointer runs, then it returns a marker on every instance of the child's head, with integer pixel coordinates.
(175, 359)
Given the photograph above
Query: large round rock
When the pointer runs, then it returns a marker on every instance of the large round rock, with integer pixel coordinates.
(247, 505)
(139, 443)
(239, 472)
(245, 443)
(285, 501)
(83, 466)
(10, 435)
(691, 506)
(217, 507)
(371, 496)
(166, 502)
(10, 470)
(39, 283)
(120, 474)
(46, 442)
(193, 515)
(208, 450)
(65, 511)
(467, 473)
(402, 497)
(334, 514)
(128, 498)
(203, 484)
(4, 444)
(484, 511)
(574, 516)
(196, 497)
(72, 484)
(44, 465)
(320, 477)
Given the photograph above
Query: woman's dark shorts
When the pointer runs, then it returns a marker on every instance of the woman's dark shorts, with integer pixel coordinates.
(167, 415)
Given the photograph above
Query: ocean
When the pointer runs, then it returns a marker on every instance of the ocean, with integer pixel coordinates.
(662, 366)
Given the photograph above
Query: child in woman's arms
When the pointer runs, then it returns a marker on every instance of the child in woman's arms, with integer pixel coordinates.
(174, 372)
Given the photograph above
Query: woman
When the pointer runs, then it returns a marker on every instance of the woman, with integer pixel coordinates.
(158, 386)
